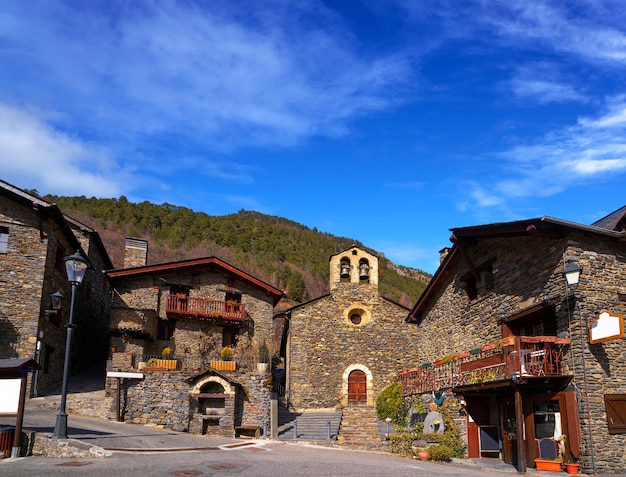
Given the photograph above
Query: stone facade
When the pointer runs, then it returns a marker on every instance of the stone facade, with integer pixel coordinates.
(31, 270)
(352, 329)
(496, 284)
(140, 301)
(193, 396)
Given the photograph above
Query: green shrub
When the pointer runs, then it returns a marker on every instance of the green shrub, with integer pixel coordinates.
(401, 444)
(450, 438)
(440, 452)
(390, 404)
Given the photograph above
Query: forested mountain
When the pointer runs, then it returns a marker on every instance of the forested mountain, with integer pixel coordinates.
(286, 254)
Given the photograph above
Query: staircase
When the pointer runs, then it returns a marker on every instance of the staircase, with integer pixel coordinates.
(308, 426)
(359, 428)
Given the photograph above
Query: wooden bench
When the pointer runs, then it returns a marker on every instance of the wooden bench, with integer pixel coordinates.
(251, 431)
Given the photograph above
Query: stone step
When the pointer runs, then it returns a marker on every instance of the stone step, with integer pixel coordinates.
(359, 428)
(310, 426)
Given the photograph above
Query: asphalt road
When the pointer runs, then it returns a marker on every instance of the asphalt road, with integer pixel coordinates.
(253, 458)
(135, 450)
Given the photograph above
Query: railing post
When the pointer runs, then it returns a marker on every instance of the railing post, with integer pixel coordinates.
(295, 428)
(328, 431)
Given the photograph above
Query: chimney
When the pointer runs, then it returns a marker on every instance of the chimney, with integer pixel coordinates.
(443, 253)
(135, 253)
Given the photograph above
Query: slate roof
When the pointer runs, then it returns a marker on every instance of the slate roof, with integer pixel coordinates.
(614, 221)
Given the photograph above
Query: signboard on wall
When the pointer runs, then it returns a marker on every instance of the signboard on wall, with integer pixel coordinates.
(606, 327)
(10, 396)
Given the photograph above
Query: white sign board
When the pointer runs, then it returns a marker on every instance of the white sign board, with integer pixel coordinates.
(121, 374)
(10, 396)
(606, 327)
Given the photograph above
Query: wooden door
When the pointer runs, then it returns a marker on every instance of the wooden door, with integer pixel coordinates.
(357, 388)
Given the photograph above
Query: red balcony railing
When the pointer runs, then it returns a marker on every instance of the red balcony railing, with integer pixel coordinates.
(511, 358)
(205, 309)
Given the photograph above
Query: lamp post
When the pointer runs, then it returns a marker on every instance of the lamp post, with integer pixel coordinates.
(572, 276)
(76, 266)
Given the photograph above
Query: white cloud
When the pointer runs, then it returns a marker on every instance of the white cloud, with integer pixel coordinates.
(154, 71)
(562, 159)
(542, 83)
(34, 155)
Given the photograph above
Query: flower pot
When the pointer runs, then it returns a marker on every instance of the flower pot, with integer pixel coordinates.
(423, 455)
(224, 365)
(548, 464)
(571, 468)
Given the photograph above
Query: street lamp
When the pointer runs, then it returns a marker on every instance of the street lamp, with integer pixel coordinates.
(572, 276)
(76, 266)
(572, 273)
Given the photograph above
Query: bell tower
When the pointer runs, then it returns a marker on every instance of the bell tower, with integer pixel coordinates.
(354, 266)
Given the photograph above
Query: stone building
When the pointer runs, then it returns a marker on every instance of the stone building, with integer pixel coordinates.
(35, 236)
(539, 364)
(342, 349)
(192, 309)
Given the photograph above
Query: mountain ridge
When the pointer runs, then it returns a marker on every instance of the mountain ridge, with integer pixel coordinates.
(280, 251)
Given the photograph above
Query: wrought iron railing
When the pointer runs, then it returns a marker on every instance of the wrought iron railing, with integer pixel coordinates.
(511, 358)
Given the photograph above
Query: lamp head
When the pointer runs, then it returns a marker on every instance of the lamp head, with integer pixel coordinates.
(76, 266)
(572, 273)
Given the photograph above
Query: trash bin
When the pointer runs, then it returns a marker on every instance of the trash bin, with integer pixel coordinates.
(6, 441)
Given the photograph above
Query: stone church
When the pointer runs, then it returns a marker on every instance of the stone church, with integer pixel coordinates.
(342, 349)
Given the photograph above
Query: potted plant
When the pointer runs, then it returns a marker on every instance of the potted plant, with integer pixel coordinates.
(571, 467)
(226, 364)
(264, 358)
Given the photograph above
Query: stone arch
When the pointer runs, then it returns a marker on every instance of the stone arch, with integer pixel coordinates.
(228, 387)
(369, 383)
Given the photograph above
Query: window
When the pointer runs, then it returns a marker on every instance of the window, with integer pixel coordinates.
(357, 316)
(344, 269)
(4, 239)
(236, 297)
(615, 405)
(229, 336)
(364, 271)
(166, 329)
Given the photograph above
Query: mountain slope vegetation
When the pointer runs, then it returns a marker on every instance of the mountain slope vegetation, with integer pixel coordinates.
(286, 254)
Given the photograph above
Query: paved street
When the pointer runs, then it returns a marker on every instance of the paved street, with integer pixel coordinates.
(243, 458)
(137, 450)
(149, 451)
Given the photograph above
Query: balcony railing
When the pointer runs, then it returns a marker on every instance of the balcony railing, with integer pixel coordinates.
(512, 358)
(206, 309)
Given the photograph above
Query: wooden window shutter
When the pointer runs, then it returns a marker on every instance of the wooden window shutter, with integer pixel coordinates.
(615, 405)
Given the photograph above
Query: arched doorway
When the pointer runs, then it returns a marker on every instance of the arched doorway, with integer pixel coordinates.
(357, 388)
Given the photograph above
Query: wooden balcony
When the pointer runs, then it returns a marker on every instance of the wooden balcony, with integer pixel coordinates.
(512, 358)
(205, 309)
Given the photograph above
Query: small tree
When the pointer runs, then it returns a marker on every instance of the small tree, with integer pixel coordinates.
(390, 404)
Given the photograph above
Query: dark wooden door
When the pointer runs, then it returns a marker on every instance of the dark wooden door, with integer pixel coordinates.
(357, 388)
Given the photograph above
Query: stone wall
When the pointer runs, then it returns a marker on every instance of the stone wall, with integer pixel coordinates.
(32, 270)
(167, 398)
(526, 272)
(325, 345)
(137, 301)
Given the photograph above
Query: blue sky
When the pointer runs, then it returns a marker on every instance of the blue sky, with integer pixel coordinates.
(385, 121)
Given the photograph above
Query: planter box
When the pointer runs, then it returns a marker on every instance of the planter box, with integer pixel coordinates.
(224, 365)
(548, 464)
